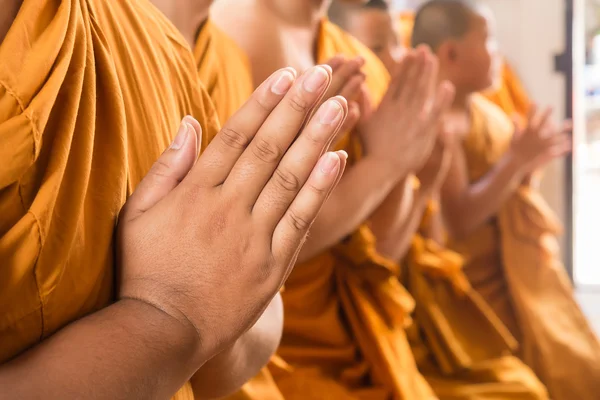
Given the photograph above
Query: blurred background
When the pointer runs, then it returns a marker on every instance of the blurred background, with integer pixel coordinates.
(554, 47)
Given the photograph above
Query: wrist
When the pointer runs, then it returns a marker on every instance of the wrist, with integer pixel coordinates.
(384, 168)
(515, 165)
(176, 330)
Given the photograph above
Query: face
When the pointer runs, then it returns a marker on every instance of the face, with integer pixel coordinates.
(376, 30)
(472, 62)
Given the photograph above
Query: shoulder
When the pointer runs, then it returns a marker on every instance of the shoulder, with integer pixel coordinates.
(334, 40)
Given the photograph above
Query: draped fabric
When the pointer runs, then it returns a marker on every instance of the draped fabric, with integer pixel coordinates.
(91, 93)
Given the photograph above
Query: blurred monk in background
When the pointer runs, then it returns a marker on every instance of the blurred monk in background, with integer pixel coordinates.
(460, 345)
(495, 217)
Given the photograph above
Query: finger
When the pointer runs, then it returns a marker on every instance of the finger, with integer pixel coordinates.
(422, 94)
(399, 76)
(352, 89)
(343, 75)
(442, 102)
(540, 120)
(291, 231)
(533, 109)
(198, 132)
(256, 165)
(348, 125)
(297, 164)
(225, 149)
(412, 77)
(167, 172)
(567, 126)
(336, 61)
(343, 161)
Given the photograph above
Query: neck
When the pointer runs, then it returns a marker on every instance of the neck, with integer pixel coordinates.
(7, 17)
(461, 100)
(299, 13)
(186, 15)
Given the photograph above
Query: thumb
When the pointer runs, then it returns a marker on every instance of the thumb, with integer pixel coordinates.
(167, 172)
(517, 130)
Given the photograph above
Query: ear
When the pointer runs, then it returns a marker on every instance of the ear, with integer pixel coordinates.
(447, 52)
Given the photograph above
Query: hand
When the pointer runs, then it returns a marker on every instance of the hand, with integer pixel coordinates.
(403, 130)
(210, 242)
(540, 141)
(433, 173)
(347, 81)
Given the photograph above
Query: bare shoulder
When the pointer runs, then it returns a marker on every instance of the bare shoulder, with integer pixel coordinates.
(255, 30)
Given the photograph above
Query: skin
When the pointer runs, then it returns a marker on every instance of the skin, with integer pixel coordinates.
(471, 64)
(376, 29)
(399, 216)
(265, 29)
(156, 336)
(231, 368)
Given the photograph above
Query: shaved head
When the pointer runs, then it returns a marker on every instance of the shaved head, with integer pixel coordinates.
(372, 24)
(439, 20)
(340, 11)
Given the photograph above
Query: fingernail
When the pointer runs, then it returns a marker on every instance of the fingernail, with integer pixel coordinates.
(283, 82)
(329, 163)
(330, 112)
(182, 134)
(342, 154)
(315, 79)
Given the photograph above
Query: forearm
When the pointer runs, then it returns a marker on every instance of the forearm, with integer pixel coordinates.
(362, 189)
(480, 201)
(394, 240)
(129, 350)
(229, 370)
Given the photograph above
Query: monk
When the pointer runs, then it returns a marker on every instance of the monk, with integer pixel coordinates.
(461, 347)
(508, 92)
(66, 330)
(496, 218)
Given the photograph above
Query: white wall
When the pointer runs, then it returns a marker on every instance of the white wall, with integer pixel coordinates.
(531, 32)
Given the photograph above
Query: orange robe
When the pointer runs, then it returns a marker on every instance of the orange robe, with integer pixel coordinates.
(91, 93)
(460, 345)
(513, 262)
(345, 310)
(224, 70)
(510, 95)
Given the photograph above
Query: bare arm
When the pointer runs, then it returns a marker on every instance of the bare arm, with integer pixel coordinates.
(465, 205)
(229, 370)
(362, 189)
(129, 350)
(397, 220)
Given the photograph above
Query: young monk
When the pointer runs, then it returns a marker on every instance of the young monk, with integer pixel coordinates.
(81, 131)
(460, 345)
(500, 224)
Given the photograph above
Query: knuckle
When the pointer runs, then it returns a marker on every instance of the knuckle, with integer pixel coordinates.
(298, 222)
(298, 103)
(233, 138)
(266, 151)
(286, 180)
(262, 101)
(320, 191)
(161, 168)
